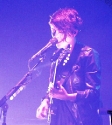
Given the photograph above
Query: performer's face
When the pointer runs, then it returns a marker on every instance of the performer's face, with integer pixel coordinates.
(58, 34)
(63, 38)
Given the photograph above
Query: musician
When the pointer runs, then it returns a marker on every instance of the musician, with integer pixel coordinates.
(76, 92)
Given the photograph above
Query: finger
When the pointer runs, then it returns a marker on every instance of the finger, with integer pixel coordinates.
(60, 87)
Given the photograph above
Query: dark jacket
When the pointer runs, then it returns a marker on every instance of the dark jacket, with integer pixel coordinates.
(82, 75)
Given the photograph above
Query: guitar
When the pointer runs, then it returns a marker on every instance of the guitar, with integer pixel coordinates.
(57, 58)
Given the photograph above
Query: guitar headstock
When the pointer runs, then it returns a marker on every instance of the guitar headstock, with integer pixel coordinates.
(64, 55)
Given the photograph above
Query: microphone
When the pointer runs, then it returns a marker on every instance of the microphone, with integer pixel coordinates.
(51, 42)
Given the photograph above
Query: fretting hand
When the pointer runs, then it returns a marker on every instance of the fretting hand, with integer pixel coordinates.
(61, 93)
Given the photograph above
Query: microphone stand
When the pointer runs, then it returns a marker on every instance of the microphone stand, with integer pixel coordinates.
(4, 112)
(16, 89)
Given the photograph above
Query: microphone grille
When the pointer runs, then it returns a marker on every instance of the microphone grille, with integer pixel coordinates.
(53, 41)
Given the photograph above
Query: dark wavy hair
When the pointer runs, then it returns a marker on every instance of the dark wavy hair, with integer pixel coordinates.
(66, 20)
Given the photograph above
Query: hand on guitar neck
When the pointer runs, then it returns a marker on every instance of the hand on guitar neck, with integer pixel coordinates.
(60, 93)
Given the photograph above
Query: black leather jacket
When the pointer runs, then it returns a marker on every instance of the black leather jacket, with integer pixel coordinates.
(82, 74)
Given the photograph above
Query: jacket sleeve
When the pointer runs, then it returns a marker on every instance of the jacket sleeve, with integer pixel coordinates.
(92, 77)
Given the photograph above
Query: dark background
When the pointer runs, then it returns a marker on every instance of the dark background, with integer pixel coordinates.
(24, 30)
